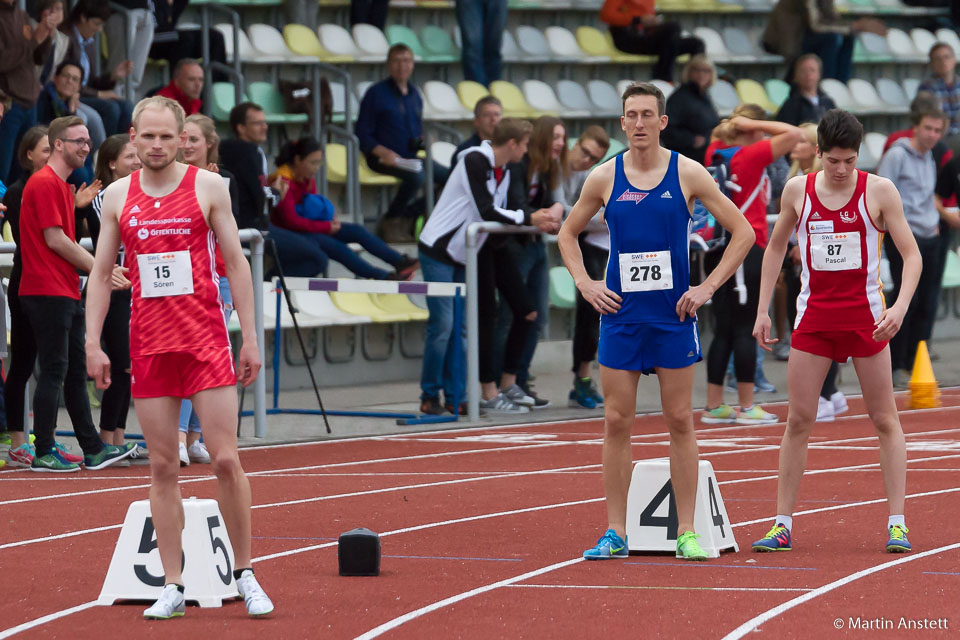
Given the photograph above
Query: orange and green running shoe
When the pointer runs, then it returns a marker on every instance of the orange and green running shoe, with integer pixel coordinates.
(898, 542)
(777, 539)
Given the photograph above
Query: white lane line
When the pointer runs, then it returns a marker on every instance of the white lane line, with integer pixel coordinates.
(6, 633)
(753, 623)
(396, 622)
(650, 588)
(69, 534)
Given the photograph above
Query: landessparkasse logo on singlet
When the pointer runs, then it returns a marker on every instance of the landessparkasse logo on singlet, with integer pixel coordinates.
(631, 196)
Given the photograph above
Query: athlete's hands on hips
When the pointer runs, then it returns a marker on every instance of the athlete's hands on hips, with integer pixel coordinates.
(600, 298)
(693, 299)
(98, 366)
(118, 279)
(888, 324)
(761, 331)
(248, 365)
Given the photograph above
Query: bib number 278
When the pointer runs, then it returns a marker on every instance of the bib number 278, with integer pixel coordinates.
(646, 271)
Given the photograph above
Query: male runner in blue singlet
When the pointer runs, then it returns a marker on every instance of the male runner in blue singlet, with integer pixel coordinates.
(648, 308)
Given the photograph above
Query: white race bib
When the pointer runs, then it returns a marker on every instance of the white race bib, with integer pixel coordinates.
(165, 274)
(835, 251)
(646, 271)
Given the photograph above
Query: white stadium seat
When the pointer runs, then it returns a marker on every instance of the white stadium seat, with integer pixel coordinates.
(532, 44)
(606, 101)
(370, 40)
(839, 93)
(573, 96)
(724, 97)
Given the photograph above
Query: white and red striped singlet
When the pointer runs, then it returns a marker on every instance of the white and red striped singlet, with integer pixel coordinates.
(156, 232)
(840, 259)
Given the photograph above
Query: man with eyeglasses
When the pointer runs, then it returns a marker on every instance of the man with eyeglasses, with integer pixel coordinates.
(50, 296)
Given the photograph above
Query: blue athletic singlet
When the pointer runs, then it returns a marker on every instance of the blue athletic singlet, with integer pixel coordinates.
(649, 266)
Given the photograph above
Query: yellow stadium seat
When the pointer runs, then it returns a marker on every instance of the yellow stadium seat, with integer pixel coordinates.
(361, 304)
(303, 41)
(335, 157)
(752, 91)
(370, 177)
(593, 42)
(7, 232)
(514, 104)
(469, 92)
(399, 303)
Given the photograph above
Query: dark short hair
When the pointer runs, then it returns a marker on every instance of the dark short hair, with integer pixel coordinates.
(297, 149)
(398, 48)
(839, 129)
(645, 89)
(939, 44)
(68, 63)
(90, 9)
(801, 60)
(43, 5)
(181, 63)
(28, 143)
(925, 105)
(484, 101)
(109, 151)
(238, 115)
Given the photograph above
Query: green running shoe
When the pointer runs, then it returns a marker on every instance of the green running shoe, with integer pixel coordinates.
(688, 548)
(724, 414)
(898, 542)
(52, 463)
(109, 455)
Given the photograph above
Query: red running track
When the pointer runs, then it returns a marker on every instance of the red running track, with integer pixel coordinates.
(482, 532)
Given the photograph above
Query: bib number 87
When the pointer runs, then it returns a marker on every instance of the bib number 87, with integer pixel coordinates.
(642, 274)
(833, 249)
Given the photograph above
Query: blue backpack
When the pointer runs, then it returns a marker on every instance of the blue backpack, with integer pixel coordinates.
(315, 207)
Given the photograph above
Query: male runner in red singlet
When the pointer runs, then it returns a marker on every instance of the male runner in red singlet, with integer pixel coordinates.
(171, 217)
(840, 215)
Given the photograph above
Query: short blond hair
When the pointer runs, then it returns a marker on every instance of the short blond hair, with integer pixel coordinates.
(159, 103)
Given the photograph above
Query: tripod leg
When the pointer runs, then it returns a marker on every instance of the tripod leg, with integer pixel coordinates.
(296, 329)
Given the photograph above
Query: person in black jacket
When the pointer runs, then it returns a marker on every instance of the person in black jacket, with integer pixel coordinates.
(807, 103)
(244, 158)
(172, 44)
(690, 112)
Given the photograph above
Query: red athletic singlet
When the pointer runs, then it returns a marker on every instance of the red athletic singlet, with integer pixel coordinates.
(171, 254)
(840, 256)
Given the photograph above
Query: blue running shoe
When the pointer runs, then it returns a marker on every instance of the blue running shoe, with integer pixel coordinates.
(777, 539)
(898, 542)
(608, 547)
(580, 396)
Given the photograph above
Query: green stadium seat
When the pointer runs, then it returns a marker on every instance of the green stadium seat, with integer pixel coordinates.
(269, 97)
(563, 292)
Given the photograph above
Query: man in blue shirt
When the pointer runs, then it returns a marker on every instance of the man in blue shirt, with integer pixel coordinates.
(390, 129)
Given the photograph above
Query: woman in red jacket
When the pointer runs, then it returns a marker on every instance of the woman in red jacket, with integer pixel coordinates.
(311, 215)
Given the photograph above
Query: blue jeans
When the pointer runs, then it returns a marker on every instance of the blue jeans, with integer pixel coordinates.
(531, 261)
(835, 50)
(15, 123)
(482, 23)
(115, 114)
(188, 417)
(335, 247)
(440, 352)
(404, 203)
(299, 257)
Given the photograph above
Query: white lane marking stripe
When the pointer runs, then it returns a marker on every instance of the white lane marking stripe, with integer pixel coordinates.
(396, 622)
(649, 588)
(756, 621)
(45, 619)
(69, 534)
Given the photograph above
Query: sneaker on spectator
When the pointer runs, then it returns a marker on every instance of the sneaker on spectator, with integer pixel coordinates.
(141, 453)
(781, 350)
(52, 463)
(595, 393)
(431, 406)
(21, 456)
(731, 383)
(839, 402)
(501, 404)
(66, 455)
(197, 452)
(824, 410)
(184, 456)
(901, 379)
(538, 402)
(110, 454)
(762, 385)
(518, 396)
(464, 409)
(580, 396)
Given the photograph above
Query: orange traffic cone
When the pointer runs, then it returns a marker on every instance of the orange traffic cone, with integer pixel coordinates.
(924, 391)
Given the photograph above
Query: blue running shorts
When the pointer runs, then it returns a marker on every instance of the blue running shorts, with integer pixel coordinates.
(643, 347)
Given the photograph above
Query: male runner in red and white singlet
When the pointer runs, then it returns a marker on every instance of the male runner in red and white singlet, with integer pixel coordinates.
(840, 215)
(171, 217)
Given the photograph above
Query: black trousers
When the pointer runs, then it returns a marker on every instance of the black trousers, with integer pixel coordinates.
(23, 356)
(369, 11)
(189, 44)
(734, 325)
(496, 271)
(58, 327)
(918, 322)
(663, 40)
(116, 344)
(586, 330)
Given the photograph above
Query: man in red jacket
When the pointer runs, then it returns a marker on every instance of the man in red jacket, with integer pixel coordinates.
(186, 87)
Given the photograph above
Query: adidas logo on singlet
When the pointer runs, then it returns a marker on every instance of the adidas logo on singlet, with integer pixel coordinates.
(631, 196)
(135, 209)
(666, 194)
(815, 216)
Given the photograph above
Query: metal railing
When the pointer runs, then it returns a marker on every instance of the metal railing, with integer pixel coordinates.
(473, 320)
(239, 85)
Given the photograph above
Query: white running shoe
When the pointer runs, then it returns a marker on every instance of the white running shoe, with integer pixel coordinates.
(170, 604)
(501, 404)
(198, 453)
(824, 410)
(184, 457)
(258, 604)
(518, 396)
(839, 402)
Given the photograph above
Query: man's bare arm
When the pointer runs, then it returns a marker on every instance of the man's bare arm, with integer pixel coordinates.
(773, 256)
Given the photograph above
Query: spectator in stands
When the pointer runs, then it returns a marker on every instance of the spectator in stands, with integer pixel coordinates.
(369, 12)
(482, 23)
(945, 85)
(487, 113)
(61, 97)
(806, 102)
(910, 165)
(172, 44)
(690, 111)
(535, 184)
(390, 129)
(22, 47)
(129, 37)
(60, 42)
(245, 159)
(186, 87)
(743, 140)
(32, 155)
(636, 28)
(311, 216)
(85, 22)
(796, 27)
(590, 148)
(471, 196)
